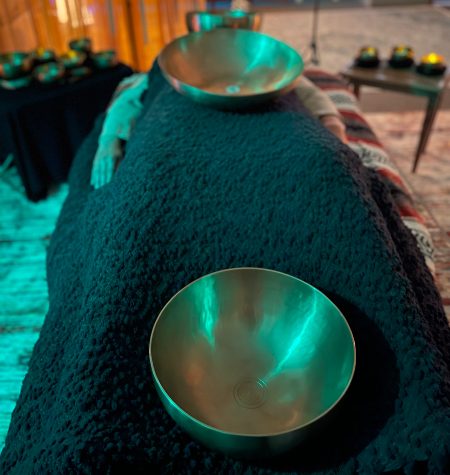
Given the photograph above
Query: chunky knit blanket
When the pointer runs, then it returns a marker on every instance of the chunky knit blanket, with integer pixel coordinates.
(201, 190)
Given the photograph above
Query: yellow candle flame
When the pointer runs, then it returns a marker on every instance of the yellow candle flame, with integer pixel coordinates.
(433, 58)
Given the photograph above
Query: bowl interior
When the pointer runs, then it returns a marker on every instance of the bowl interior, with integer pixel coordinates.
(252, 352)
(231, 63)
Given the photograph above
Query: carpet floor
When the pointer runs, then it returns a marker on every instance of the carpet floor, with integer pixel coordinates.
(25, 230)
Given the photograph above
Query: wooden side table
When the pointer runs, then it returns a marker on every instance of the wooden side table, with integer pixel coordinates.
(406, 81)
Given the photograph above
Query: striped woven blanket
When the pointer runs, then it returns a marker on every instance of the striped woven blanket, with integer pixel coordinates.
(364, 142)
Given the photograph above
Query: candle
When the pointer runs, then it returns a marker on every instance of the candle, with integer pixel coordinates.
(402, 56)
(432, 58)
(403, 51)
(367, 57)
(432, 64)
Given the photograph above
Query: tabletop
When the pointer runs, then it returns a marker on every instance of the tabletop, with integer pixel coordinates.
(402, 80)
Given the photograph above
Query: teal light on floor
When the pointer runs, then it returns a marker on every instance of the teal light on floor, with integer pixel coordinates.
(25, 230)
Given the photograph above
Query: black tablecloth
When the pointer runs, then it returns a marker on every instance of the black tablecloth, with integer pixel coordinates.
(42, 126)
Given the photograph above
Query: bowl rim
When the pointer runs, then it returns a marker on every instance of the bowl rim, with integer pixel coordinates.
(231, 97)
(239, 434)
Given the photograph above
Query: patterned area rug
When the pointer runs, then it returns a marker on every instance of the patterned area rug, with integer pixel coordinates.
(25, 230)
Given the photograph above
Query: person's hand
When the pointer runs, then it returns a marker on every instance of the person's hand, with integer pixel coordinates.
(108, 154)
(120, 120)
(335, 126)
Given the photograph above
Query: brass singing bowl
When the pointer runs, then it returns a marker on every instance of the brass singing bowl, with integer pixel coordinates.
(14, 65)
(49, 73)
(43, 55)
(230, 69)
(248, 360)
(104, 59)
(73, 59)
(206, 21)
(82, 45)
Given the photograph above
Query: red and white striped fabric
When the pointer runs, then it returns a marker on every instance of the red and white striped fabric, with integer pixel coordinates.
(366, 145)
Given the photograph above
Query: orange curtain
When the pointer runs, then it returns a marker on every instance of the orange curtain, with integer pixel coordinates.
(136, 29)
(155, 23)
(17, 28)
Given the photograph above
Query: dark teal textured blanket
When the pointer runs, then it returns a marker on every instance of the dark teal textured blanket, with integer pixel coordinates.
(201, 190)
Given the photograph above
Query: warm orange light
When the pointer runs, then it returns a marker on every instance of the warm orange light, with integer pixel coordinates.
(433, 58)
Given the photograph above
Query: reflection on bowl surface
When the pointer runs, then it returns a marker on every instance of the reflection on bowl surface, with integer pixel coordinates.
(229, 68)
(246, 359)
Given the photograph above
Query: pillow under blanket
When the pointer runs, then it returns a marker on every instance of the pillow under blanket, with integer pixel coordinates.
(201, 190)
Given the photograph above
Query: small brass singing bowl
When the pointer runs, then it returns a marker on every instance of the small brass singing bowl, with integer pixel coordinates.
(244, 20)
(72, 59)
(203, 21)
(14, 65)
(43, 55)
(49, 73)
(206, 21)
(230, 69)
(248, 361)
(82, 45)
(104, 59)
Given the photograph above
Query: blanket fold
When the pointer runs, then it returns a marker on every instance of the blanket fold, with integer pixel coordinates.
(201, 190)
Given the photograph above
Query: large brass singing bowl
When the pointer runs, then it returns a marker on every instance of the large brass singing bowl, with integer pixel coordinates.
(230, 69)
(206, 21)
(248, 360)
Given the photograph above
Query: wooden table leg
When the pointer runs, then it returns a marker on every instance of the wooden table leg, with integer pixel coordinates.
(432, 108)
